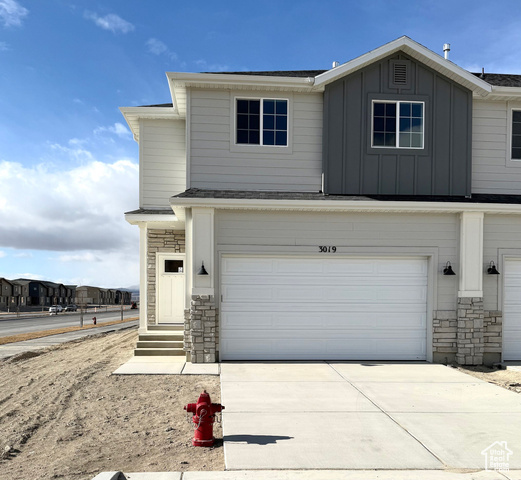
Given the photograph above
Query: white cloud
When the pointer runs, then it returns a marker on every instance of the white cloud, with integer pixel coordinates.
(23, 255)
(2, 254)
(111, 22)
(81, 257)
(4, 46)
(117, 129)
(204, 66)
(80, 209)
(157, 47)
(12, 13)
(69, 222)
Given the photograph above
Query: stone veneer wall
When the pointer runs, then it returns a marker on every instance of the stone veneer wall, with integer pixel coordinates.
(201, 338)
(164, 241)
(444, 336)
(493, 336)
(470, 331)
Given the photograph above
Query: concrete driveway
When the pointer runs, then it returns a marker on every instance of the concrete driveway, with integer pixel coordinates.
(338, 415)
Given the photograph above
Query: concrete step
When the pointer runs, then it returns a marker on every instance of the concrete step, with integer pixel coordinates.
(161, 344)
(166, 327)
(147, 337)
(142, 352)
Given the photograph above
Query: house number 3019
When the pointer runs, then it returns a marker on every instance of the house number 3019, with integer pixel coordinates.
(326, 249)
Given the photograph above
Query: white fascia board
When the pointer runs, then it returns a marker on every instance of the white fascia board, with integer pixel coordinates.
(218, 80)
(347, 206)
(133, 114)
(413, 49)
(138, 218)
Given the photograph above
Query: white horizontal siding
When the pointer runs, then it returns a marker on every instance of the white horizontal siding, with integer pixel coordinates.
(259, 232)
(214, 165)
(163, 161)
(499, 232)
(490, 172)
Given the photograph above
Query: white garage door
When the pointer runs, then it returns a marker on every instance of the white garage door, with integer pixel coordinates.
(309, 308)
(512, 310)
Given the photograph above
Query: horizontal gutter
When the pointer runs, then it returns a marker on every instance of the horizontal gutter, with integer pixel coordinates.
(346, 206)
(224, 80)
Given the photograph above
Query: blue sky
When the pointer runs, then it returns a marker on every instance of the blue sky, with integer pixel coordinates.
(68, 163)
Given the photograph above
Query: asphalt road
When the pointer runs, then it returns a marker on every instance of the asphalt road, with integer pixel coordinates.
(38, 322)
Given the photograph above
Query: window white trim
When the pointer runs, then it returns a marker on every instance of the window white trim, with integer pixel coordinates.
(511, 162)
(397, 132)
(259, 148)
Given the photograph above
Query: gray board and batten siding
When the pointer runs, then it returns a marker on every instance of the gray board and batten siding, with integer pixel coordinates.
(353, 167)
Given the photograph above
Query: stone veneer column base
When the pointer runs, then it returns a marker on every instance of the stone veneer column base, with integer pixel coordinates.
(470, 341)
(201, 333)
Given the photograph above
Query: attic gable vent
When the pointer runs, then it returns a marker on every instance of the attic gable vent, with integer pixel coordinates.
(399, 74)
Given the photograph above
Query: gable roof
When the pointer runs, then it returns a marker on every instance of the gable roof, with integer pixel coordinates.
(416, 51)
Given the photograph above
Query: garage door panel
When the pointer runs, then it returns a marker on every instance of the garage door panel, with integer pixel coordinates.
(512, 310)
(317, 349)
(338, 321)
(323, 308)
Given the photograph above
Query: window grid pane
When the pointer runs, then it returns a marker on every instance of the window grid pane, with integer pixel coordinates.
(407, 116)
(274, 129)
(384, 124)
(275, 122)
(516, 134)
(248, 122)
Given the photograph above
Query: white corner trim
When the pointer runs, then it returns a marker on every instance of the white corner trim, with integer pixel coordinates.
(471, 254)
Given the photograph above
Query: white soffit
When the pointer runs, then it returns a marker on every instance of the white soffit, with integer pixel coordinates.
(416, 51)
(133, 114)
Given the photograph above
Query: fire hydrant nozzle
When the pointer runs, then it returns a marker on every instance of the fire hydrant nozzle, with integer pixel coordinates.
(204, 417)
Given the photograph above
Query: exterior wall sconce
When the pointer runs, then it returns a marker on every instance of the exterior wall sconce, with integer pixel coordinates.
(448, 269)
(492, 270)
(202, 270)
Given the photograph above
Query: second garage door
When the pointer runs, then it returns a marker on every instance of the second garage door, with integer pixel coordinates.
(316, 308)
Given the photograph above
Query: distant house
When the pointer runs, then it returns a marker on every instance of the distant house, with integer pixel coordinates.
(6, 293)
(86, 295)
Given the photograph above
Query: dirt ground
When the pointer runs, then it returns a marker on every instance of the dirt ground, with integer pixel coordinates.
(510, 379)
(64, 416)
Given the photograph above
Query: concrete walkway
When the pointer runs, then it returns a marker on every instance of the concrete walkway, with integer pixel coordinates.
(364, 416)
(11, 349)
(315, 475)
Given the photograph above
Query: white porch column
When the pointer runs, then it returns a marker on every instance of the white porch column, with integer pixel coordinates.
(202, 238)
(471, 255)
(470, 341)
(143, 287)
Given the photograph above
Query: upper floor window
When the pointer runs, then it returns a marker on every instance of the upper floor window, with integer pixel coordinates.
(398, 124)
(262, 122)
(516, 134)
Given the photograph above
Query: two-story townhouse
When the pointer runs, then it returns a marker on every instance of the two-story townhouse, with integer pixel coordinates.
(368, 212)
(6, 293)
(24, 296)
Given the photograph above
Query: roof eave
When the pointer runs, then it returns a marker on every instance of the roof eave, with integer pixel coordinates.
(132, 115)
(345, 206)
(219, 80)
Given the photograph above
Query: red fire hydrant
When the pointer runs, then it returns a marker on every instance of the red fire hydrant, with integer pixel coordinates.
(94, 320)
(204, 417)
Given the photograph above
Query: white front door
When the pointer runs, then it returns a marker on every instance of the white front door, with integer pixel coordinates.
(170, 294)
